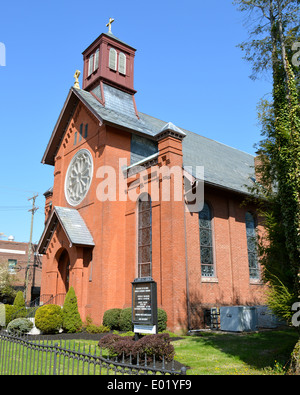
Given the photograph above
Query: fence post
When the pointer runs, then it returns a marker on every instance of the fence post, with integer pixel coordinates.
(55, 358)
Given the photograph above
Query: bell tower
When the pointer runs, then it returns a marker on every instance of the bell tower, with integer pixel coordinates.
(108, 60)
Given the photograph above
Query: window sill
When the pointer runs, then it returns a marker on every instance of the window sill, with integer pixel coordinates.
(256, 282)
(209, 280)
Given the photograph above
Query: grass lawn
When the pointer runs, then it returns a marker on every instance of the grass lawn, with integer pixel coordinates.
(266, 352)
(262, 353)
(207, 353)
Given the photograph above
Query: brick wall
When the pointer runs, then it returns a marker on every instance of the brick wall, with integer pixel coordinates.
(102, 276)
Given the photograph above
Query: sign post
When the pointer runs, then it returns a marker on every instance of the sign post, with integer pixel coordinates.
(144, 305)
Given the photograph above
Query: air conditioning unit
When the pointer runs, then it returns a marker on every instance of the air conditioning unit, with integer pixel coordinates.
(238, 318)
(266, 319)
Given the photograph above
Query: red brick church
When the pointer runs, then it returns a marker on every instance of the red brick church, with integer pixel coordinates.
(118, 210)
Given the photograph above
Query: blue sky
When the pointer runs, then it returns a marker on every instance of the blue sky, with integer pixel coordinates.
(188, 71)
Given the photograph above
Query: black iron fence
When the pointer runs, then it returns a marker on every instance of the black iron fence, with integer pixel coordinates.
(20, 355)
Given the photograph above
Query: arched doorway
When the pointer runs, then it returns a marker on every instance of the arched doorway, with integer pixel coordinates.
(63, 273)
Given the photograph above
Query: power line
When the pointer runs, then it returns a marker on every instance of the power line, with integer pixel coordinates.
(13, 208)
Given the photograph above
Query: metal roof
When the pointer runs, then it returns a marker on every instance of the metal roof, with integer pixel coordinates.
(73, 225)
(224, 166)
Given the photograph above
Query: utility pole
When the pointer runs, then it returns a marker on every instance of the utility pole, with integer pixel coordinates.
(33, 210)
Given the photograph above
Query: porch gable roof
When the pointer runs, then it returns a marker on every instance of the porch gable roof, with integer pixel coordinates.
(73, 225)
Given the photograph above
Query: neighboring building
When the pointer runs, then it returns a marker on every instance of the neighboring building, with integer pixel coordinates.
(99, 246)
(23, 271)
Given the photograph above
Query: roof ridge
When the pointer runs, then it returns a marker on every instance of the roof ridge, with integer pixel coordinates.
(200, 135)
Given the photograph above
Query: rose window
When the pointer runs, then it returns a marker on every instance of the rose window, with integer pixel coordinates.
(79, 177)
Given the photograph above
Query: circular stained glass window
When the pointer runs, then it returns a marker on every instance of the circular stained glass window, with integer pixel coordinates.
(79, 177)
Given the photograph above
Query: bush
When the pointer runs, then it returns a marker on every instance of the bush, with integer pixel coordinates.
(19, 304)
(162, 319)
(158, 345)
(19, 301)
(112, 341)
(71, 317)
(48, 318)
(19, 326)
(97, 329)
(10, 313)
(121, 319)
(111, 318)
(125, 321)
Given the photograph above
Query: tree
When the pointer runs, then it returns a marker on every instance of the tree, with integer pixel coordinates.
(278, 186)
(279, 189)
(71, 317)
(273, 28)
(6, 283)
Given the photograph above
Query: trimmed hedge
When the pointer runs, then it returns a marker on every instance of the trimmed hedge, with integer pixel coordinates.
(10, 313)
(19, 325)
(19, 301)
(120, 319)
(111, 318)
(125, 323)
(71, 318)
(49, 318)
(162, 319)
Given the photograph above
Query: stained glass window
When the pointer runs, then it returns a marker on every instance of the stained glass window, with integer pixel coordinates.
(206, 242)
(251, 245)
(144, 236)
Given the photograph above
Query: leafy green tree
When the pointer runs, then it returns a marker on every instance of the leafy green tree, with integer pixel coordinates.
(71, 318)
(273, 27)
(7, 291)
(278, 188)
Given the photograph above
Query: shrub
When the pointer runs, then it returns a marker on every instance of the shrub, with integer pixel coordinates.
(111, 318)
(19, 326)
(71, 317)
(48, 318)
(111, 341)
(162, 319)
(97, 329)
(19, 304)
(125, 321)
(158, 345)
(19, 301)
(121, 319)
(10, 313)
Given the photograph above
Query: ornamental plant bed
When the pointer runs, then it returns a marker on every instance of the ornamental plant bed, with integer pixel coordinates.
(79, 335)
(147, 346)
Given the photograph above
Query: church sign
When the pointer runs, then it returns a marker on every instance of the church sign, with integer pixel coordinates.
(144, 305)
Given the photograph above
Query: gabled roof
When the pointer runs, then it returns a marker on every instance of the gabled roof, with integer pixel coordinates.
(118, 110)
(224, 166)
(73, 226)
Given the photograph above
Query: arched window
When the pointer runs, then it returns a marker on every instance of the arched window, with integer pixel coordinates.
(206, 242)
(144, 236)
(122, 63)
(251, 245)
(113, 59)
